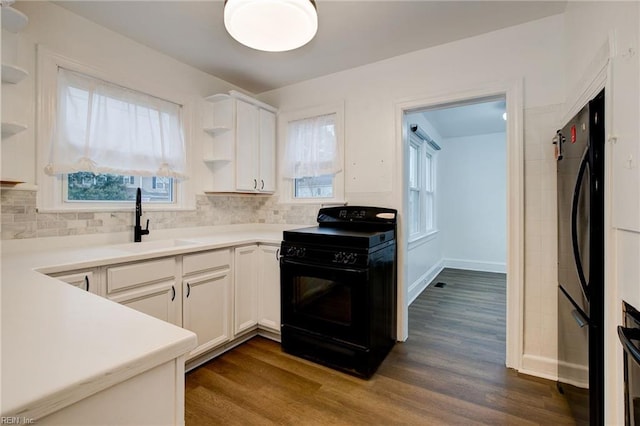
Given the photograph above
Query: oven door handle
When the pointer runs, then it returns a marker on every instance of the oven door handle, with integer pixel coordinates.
(289, 262)
(626, 335)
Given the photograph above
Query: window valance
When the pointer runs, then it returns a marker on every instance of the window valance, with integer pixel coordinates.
(105, 128)
(312, 148)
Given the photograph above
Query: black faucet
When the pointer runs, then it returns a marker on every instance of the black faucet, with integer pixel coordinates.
(138, 232)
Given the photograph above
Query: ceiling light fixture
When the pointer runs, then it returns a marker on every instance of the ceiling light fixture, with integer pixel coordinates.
(271, 25)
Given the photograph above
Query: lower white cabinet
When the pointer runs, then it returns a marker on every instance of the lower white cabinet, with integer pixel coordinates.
(206, 305)
(148, 287)
(154, 397)
(269, 287)
(246, 288)
(85, 280)
(257, 288)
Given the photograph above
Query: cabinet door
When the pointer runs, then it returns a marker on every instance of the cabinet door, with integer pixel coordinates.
(245, 288)
(206, 309)
(267, 154)
(269, 288)
(158, 300)
(84, 280)
(246, 146)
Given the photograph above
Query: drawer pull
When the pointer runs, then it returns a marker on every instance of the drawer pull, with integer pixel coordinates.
(86, 280)
(188, 289)
(173, 289)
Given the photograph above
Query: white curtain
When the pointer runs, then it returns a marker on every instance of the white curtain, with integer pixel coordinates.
(312, 148)
(105, 128)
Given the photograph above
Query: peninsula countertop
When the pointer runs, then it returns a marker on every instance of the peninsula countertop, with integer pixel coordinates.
(61, 345)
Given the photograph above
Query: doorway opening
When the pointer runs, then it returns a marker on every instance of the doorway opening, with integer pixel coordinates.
(477, 218)
(456, 210)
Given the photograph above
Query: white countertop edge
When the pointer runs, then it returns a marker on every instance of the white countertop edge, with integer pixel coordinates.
(53, 402)
(63, 255)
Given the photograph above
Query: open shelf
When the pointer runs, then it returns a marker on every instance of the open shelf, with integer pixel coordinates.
(216, 160)
(13, 20)
(216, 130)
(13, 74)
(10, 129)
(7, 181)
(217, 97)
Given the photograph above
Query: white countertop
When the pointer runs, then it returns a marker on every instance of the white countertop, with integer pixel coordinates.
(60, 345)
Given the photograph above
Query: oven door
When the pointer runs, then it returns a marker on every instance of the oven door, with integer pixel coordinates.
(326, 300)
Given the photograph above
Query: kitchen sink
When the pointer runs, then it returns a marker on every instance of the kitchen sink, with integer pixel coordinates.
(153, 245)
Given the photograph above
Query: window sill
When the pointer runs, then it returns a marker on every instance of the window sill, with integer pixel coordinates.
(419, 240)
(115, 209)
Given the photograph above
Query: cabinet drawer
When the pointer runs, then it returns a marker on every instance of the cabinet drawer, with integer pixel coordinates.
(199, 262)
(123, 277)
(83, 280)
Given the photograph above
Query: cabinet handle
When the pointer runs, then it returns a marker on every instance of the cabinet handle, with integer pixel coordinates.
(173, 289)
(255, 184)
(261, 183)
(278, 254)
(188, 289)
(86, 281)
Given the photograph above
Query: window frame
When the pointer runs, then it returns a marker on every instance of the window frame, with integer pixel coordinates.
(427, 164)
(287, 186)
(51, 194)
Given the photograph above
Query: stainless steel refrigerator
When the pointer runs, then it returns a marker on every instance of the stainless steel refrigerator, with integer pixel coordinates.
(580, 171)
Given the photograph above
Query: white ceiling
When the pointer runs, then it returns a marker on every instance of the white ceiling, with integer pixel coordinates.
(475, 118)
(350, 34)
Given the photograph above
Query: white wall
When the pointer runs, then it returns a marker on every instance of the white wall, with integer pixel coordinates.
(424, 257)
(589, 25)
(82, 40)
(530, 52)
(472, 208)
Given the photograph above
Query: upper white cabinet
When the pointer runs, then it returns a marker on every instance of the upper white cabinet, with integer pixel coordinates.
(241, 150)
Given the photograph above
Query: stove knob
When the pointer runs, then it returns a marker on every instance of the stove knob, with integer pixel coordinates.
(301, 252)
(291, 251)
(338, 257)
(350, 258)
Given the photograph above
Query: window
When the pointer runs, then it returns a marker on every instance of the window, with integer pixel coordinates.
(421, 191)
(87, 186)
(103, 140)
(312, 165)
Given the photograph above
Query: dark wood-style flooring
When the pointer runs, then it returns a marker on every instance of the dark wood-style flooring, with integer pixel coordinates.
(449, 372)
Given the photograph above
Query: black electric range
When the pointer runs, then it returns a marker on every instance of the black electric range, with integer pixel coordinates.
(338, 288)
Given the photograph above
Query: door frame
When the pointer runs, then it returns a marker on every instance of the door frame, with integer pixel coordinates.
(513, 93)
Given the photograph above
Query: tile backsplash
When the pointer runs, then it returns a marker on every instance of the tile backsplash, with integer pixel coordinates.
(21, 220)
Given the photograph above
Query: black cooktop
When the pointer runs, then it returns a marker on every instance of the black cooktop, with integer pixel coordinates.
(317, 235)
(348, 226)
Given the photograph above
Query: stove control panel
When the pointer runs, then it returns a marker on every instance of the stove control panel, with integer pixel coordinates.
(294, 251)
(345, 257)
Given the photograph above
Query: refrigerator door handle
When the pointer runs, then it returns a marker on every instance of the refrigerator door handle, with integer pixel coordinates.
(574, 222)
(626, 335)
(582, 316)
(579, 318)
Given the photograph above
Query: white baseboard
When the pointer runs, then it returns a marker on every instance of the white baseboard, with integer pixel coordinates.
(473, 265)
(423, 282)
(575, 374)
(538, 366)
